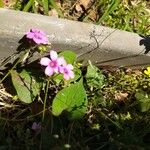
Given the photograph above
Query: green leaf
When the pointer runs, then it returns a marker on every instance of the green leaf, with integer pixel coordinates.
(28, 5)
(77, 73)
(69, 56)
(26, 86)
(72, 99)
(113, 5)
(143, 101)
(45, 6)
(94, 77)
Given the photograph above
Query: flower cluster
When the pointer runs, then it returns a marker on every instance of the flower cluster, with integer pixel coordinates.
(38, 36)
(56, 64)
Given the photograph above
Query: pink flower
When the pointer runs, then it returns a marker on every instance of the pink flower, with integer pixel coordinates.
(52, 64)
(38, 36)
(36, 126)
(66, 70)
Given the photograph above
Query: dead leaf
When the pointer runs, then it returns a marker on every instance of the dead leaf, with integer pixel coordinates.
(138, 72)
(92, 15)
(83, 5)
(78, 8)
(53, 13)
(121, 96)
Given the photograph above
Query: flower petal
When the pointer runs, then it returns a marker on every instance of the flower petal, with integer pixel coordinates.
(33, 30)
(29, 35)
(37, 41)
(36, 126)
(42, 33)
(61, 61)
(49, 71)
(66, 77)
(45, 40)
(148, 69)
(55, 69)
(69, 67)
(53, 55)
(37, 31)
(71, 74)
(61, 69)
(45, 61)
(146, 72)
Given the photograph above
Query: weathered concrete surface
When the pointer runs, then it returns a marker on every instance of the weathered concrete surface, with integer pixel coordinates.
(108, 46)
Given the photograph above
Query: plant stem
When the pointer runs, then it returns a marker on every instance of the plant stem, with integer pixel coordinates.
(46, 93)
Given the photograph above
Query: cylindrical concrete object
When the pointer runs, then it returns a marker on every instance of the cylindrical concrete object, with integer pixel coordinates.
(101, 45)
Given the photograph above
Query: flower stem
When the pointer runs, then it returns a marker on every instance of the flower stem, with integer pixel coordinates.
(46, 93)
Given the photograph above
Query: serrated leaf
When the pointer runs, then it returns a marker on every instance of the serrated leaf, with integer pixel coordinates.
(26, 86)
(94, 77)
(143, 101)
(72, 99)
(69, 56)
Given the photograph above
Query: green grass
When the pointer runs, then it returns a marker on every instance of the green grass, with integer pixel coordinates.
(129, 16)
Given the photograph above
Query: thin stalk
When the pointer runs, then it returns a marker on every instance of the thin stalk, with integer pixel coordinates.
(46, 93)
(71, 128)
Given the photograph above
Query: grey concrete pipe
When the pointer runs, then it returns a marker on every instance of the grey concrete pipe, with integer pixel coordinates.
(101, 45)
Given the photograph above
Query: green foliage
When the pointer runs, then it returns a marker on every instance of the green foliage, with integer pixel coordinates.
(36, 5)
(110, 8)
(129, 128)
(94, 77)
(130, 82)
(72, 99)
(143, 100)
(126, 15)
(26, 86)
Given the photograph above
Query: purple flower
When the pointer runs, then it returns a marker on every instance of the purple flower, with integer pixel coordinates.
(36, 126)
(52, 64)
(66, 70)
(38, 36)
